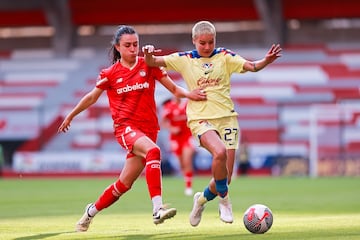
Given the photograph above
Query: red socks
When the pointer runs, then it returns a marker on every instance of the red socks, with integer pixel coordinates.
(111, 195)
(153, 178)
(153, 172)
(188, 179)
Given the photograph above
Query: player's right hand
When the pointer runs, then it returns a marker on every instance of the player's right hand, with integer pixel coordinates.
(150, 49)
(198, 94)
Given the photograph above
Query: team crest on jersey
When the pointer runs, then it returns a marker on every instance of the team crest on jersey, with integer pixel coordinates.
(142, 73)
(208, 67)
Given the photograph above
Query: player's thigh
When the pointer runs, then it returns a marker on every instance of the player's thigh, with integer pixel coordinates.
(213, 143)
(143, 145)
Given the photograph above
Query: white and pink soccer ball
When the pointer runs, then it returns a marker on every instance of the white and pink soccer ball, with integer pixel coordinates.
(258, 218)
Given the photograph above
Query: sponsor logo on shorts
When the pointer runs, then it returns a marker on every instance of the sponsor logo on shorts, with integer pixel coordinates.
(204, 122)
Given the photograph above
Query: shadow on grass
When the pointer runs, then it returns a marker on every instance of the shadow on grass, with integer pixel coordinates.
(192, 236)
(41, 236)
(129, 237)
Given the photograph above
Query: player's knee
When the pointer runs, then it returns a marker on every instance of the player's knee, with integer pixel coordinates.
(153, 154)
(220, 154)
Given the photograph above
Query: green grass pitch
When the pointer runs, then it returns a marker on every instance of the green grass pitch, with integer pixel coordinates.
(303, 208)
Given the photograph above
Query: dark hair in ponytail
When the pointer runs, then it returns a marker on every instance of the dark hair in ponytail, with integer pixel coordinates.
(123, 29)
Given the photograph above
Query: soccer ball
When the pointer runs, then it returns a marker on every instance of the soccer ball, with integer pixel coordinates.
(258, 218)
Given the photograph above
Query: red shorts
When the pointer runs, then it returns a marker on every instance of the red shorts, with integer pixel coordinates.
(127, 135)
(178, 142)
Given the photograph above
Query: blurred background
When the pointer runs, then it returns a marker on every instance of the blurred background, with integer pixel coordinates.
(300, 116)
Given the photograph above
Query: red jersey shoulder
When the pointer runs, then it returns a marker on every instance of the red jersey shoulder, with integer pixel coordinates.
(109, 71)
(105, 74)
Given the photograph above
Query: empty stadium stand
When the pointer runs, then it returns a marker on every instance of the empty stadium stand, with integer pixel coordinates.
(277, 107)
(274, 105)
(106, 12)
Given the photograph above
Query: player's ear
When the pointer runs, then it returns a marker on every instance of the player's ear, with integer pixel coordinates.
(117, 47)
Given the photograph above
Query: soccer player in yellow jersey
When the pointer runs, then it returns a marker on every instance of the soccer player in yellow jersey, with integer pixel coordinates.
(213, 122)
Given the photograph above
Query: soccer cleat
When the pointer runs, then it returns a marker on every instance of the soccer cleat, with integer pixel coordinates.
(225, 210)
(162, 214)
(83, 224)
(195, 215)
(188, 191)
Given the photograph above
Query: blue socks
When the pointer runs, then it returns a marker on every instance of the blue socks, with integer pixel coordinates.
(209, 195)
(221, 187)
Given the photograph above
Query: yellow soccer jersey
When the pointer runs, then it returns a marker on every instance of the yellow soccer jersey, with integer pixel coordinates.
(213, 74)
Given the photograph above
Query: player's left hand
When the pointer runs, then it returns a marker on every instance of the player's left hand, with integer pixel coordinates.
(65, 125)
(273, 53)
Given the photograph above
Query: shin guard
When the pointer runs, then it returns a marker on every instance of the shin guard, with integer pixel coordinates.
(111, 194)
(153, 172)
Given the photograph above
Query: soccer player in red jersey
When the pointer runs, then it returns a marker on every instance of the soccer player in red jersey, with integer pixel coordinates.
(181, 140)
(130, 84)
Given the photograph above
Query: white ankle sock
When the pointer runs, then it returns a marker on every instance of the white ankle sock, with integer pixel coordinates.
(92, 211)
(157, 203)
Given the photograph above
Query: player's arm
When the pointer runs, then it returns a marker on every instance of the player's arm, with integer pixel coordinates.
(89, 99)
(180, 92)
(273, 53)
(152, 60)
